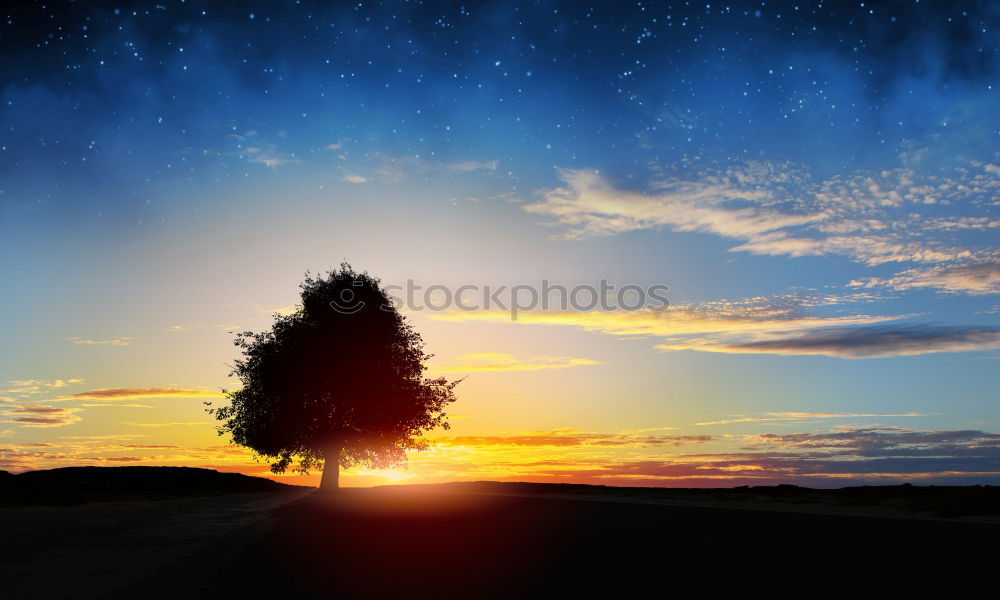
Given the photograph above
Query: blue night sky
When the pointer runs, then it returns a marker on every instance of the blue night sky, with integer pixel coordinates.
(818, 183)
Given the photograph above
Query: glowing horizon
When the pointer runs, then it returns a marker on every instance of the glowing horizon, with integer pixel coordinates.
(818, 187)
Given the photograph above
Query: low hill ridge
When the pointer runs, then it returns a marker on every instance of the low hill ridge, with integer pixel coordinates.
(74, 485)
(910, 500)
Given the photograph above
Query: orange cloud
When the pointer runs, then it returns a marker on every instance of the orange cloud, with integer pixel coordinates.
(501, 361)
(760, 326)
(749, 316)
(572, 437)
(157, 392)
(169, 424)
(42, 416)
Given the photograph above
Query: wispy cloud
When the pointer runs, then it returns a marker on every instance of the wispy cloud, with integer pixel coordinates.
(352, 178)
(268, 155)
(252, 147)
(465, 166)
(42, 416)
(778, 209)
(154, 392)
(107, 437)
(500, 362)
(721, 317)
(279, 310)
(39, 410)
(879, 442)
(338, 146)
(171, 424)
(974, 278)
(122, 341)
(589, 205)
(395, 169)
(27, 387)
(802, 416)
(784, 325)
(573, 437)
(863, 342)
(185, 328)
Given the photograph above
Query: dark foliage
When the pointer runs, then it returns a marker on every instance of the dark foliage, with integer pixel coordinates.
(339, 379)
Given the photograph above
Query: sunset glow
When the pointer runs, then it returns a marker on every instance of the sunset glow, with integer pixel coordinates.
(815, 185)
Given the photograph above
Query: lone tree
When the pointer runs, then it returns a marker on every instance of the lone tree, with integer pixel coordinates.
(337, 383)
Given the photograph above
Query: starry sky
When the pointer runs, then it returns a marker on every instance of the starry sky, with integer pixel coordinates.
(818, 183)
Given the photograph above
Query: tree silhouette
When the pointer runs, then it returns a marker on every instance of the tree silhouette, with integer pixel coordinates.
(339, 382)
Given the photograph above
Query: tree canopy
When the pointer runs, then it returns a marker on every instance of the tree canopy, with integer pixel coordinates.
(339, 381)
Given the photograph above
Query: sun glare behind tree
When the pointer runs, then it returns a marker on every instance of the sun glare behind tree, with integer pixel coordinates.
(338, 383)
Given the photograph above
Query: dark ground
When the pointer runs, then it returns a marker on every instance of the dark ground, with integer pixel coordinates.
(458, 542)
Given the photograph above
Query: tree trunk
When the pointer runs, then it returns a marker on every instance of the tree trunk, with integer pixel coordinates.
(331, 471)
